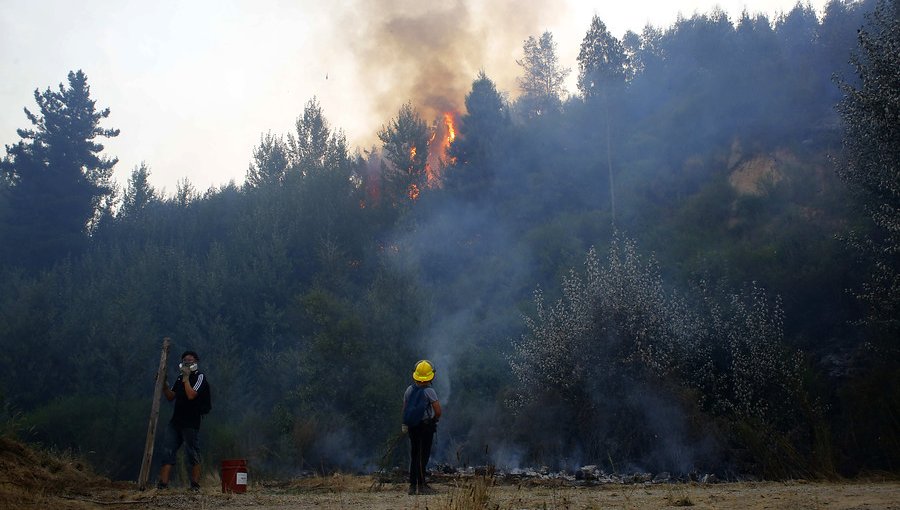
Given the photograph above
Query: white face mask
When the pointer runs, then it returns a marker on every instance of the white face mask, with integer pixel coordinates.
(193, 366)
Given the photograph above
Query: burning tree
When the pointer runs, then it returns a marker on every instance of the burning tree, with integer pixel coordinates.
(405, 145)
(474, 151)
(443, 134)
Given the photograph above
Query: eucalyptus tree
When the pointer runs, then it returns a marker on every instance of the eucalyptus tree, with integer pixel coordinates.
(603, 68)
(543, 81)
(602, 61)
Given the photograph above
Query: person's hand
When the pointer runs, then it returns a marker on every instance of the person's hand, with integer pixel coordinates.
(404, 429)
(186, 370)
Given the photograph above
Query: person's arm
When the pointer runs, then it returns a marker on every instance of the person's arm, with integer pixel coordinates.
(188, 389)
(436, 406)
(403, 428)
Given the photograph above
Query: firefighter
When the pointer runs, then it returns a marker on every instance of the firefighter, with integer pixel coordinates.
(421, 413)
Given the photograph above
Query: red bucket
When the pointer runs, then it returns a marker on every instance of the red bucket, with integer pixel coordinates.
(234, 475)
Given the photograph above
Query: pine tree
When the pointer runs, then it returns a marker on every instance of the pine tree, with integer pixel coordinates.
(405, 146)
(139, 194)
(57, 183)
(316, 146)
(478, 139)
(270, 162)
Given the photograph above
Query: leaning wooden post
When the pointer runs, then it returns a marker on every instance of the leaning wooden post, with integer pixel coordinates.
(154, 416)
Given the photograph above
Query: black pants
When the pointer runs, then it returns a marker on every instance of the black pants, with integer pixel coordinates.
(420, 438)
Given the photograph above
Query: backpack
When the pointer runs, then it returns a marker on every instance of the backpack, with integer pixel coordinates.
(415, 406)
(205, 404)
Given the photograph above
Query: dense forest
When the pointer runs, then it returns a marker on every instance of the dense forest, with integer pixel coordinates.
(690, 265)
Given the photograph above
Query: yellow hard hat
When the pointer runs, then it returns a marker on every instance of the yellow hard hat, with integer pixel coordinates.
(424, 371)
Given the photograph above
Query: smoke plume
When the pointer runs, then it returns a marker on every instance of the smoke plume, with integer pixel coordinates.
(429, 53)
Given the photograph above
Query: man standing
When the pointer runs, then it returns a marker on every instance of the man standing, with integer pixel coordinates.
(192, 397)
(421, 412)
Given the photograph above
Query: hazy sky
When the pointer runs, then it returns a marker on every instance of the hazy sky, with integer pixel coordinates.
(193, 84)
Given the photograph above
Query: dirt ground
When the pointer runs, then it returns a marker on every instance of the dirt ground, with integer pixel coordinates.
(33, 479)
(358, 492)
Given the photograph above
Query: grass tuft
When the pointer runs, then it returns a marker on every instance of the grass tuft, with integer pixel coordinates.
(474, 494)
(678, 496)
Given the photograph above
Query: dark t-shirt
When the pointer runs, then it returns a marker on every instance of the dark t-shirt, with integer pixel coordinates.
(187, 412)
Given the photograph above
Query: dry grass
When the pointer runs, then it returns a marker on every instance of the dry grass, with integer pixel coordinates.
(472, 494)
(31, 479)
(678, 496)
(334, 484)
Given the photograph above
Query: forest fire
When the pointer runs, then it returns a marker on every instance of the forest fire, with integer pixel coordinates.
(443, 134)
(451, 132)
(413, 192)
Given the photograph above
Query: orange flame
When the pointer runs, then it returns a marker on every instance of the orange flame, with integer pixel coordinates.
(413, 192)
(451, 133)
(442, 135)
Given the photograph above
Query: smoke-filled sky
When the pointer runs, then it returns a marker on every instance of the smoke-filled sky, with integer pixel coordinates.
(193, 84)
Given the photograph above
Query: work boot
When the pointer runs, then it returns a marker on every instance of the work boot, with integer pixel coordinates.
(161, 486)
(195, 486)
(412, 490)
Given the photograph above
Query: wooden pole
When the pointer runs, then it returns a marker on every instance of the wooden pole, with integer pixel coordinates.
(154, 416)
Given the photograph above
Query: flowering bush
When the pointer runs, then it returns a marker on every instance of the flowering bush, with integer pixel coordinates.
(617, 327)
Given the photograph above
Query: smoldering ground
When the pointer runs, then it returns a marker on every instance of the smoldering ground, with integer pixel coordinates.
(474, 265)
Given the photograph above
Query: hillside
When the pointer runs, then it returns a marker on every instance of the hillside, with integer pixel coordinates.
(667, 271)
